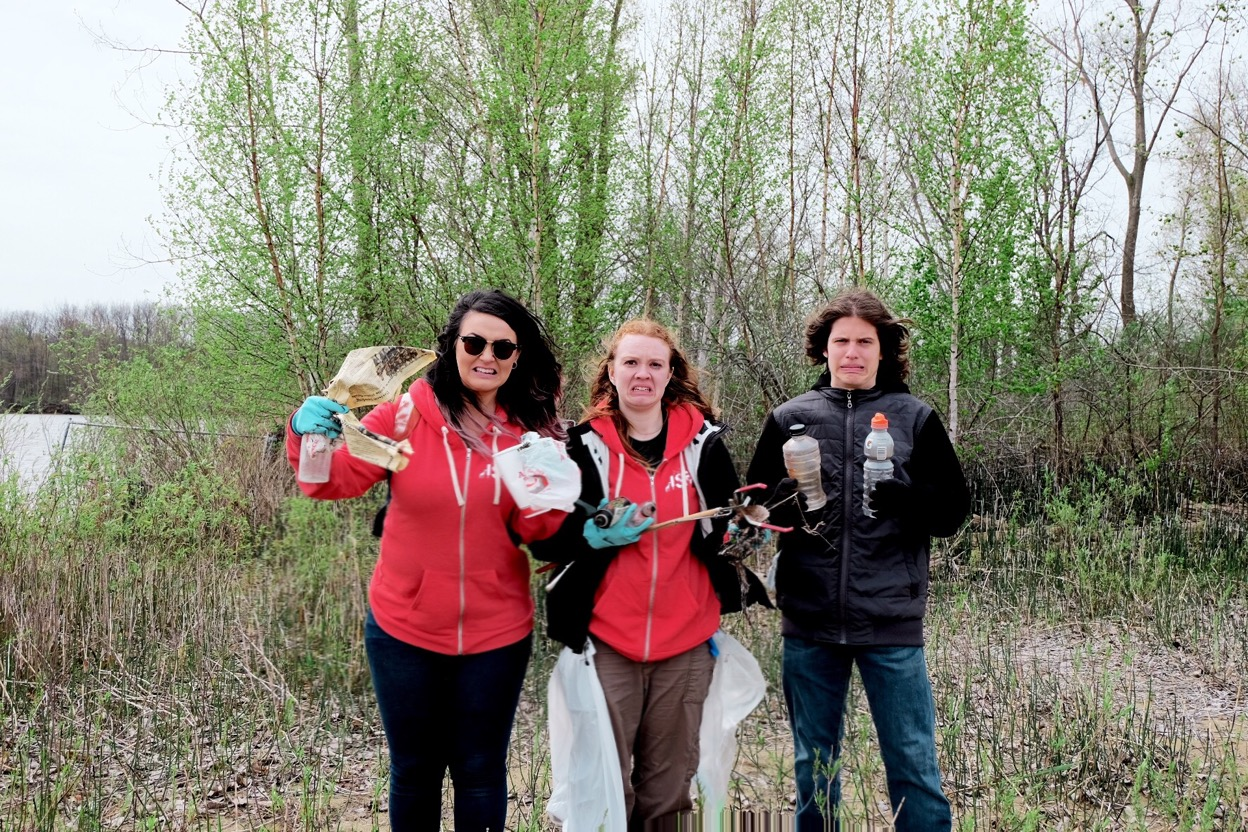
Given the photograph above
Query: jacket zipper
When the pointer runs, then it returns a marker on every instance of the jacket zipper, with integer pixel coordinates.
(463, 565)
(847, 491)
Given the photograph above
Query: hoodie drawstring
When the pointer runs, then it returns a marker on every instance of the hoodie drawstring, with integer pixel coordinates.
(498, 482)
(450, 463)
(619, 477)
(685, 478)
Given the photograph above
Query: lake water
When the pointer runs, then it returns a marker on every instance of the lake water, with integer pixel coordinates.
(29, 443)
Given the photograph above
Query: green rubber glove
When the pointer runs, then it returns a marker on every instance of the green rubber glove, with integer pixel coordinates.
(619, 534)
(316, 415)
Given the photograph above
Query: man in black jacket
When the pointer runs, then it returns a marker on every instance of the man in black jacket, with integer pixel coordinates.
(853, 587)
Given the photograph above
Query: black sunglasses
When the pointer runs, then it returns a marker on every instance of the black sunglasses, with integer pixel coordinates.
(475, 345)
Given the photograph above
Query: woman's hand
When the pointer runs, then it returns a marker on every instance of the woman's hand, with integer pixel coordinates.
(316, 415)
(620, 533)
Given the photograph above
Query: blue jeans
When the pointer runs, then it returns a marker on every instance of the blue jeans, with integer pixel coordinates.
(816, 684)
(443, 712)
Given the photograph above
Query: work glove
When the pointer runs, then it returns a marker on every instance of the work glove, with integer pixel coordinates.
(316, 415)
(892, 498)
(619, 534)
(786, 505)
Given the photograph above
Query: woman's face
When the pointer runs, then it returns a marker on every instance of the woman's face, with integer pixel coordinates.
(640, 371)
(853, 354)
(483, 374)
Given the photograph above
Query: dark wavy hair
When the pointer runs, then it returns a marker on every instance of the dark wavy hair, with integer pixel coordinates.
(604, 399)
(894, 332)
(531, 394)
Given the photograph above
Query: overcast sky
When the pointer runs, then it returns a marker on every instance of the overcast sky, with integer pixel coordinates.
(78, 166)
(80, 157)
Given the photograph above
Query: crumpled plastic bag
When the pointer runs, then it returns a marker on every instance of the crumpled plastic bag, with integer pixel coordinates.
(588, 792)
(737, 686)
(539, 474)
(370, 376)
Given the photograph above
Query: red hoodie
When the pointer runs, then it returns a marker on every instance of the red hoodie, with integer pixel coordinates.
(656, 600)
(450, 577)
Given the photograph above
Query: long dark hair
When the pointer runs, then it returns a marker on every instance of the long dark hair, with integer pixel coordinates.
(604, 399)
(530, 396)
(861, 303)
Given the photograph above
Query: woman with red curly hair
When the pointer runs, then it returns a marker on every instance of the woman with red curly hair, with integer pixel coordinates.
(648, 601)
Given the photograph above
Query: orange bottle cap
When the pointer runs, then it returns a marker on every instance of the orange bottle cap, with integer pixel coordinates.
(879, 422)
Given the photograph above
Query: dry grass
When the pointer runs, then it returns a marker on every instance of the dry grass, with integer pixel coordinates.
(205, 677)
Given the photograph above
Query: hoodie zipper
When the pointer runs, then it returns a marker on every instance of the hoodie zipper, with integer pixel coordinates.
(463, 562)
(654, 572)
(847, 502)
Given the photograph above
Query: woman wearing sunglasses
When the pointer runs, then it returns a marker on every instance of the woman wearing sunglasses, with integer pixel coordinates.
(449, 628)
(648, 601)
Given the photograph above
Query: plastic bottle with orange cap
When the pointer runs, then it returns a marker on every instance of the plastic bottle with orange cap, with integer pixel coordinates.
(879, 464)
(879, 459)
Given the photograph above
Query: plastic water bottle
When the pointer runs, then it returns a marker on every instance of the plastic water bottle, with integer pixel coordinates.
(805, 464)
(879, 464)
(316, 453)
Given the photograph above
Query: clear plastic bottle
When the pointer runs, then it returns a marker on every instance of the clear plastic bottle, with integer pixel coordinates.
(879, 465)
(316, 453)
(805, 464)
(643, 511)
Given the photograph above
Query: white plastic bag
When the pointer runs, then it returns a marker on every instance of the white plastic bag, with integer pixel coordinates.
(588, 792)
(539, 473)
(737, 686)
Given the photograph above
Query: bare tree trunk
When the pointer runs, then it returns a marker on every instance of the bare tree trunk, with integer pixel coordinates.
(957, 226)
(307, 379)
(855, 161)
(1221, 242)
(1097, 66)
(361, 204)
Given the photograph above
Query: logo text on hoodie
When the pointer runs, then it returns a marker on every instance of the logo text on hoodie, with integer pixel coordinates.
(679, 481)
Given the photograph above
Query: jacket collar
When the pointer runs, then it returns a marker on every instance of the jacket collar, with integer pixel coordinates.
(841, 396)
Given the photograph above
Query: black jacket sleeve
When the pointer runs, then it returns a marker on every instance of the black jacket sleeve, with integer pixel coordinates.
(767, 464)
(718, 478)
(936, 475)
(570, 588)
(736, 585)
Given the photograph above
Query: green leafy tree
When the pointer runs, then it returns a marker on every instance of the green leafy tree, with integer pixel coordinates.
(974, 82)
(254, 200)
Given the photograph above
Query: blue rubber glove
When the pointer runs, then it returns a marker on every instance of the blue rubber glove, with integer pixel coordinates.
(620, 534)
(316, 415)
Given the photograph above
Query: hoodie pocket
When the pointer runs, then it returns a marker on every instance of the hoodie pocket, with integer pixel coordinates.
(436, 603)
(492, 604)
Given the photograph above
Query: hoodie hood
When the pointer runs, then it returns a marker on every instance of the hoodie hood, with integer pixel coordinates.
(683, 423)
(425, 402)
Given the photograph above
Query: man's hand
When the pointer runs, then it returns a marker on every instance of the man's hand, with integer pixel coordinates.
(892, 498)
(786, 505)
